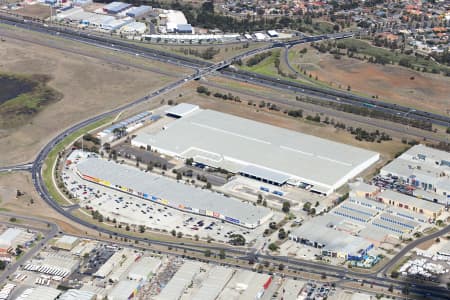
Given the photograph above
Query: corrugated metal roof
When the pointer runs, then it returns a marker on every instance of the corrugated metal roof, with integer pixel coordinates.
(140, 10)
(322, 163)
(270, 175)
(181, 109)
(176, 193)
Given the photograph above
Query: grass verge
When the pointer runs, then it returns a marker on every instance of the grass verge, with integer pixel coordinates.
(50, 160)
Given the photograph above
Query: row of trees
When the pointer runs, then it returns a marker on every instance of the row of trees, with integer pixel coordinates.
(208, 53)
(371, 113)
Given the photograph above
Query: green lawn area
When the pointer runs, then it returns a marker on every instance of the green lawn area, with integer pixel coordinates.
(50, 161)
(266, 66)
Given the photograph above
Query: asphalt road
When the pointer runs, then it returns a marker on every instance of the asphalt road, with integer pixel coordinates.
(23, 167)
(335, 95)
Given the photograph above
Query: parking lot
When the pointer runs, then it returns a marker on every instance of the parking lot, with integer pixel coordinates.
(145, 157)
(392, 183)
(215, 178)
(135, 211)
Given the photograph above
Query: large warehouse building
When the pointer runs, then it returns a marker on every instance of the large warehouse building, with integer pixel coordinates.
(171, 193)
(260, 151)
(424, 168)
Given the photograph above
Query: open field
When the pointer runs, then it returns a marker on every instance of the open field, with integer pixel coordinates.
(391, 83)
(89, 86)
(10, 182)
(35, 11)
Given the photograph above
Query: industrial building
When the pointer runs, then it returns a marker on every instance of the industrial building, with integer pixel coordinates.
(246, 285)
(74, 294)
(117, 264)
(169, 192)
(217, 279)
(191, 38)
(260, 151)
(124, 289)
(12, 237)
(116, 7)
(115, 131)
(175, 20)
(362, 189)
(139, 11)
(423, 168)
(430, 209)
(320, 233)
(39, 293)
(179, 282)
(143, 268)
(66, 242)
(58, 264)
(134, 28)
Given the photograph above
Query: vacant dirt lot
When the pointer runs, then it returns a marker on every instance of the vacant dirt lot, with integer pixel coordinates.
(389, 82)
(90, 85)
(11, 182)
(35, 11)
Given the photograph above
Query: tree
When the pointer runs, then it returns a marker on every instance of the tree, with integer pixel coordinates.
(222, 254)
(394, 274)
(2, 265)
(207, 253)
(179, 234)
(179, 176)
(141, 228)
(13, 219)
(273, 247)
(307, 206)
(208, 185)
(281, 267)
(173, 232)
(264, 203)
(391, 288)
(282, 234)
(273, 225)
(286, 206)
(127, 228)
(260, 198)
(237, 240)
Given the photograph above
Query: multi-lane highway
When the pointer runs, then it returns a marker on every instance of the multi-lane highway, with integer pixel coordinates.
(323, 93)
(201, 69)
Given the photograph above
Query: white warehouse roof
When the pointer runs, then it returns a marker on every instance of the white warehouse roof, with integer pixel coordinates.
(8, 237)
(143, 267)
(226, 140)
(182, 109)
(74, 294)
